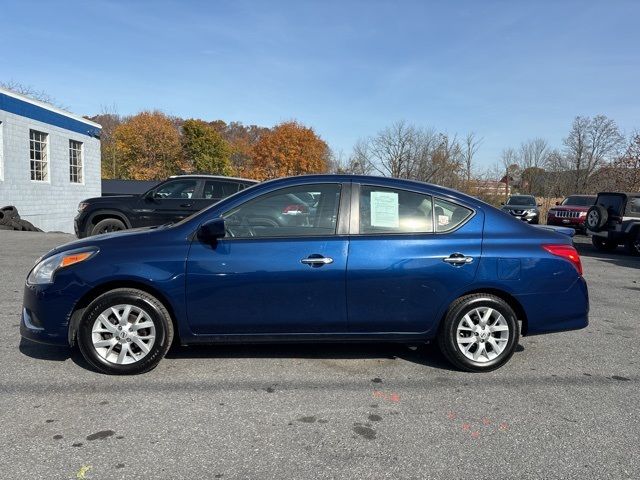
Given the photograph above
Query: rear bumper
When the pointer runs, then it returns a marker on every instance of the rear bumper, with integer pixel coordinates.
(568, 310)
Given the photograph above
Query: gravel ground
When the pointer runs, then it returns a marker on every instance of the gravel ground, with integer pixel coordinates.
(565, 406)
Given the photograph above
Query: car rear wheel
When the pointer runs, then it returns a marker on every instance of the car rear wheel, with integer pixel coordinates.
(108, 225)
(125, 331)
(603, 245)
(632, 245)
(479, 333)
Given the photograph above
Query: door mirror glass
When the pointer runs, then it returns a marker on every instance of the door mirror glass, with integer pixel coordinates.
(212, 230)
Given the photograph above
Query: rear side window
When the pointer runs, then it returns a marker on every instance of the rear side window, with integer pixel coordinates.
(449, 216)
(386, 210)
(633, 207)
(215, 189)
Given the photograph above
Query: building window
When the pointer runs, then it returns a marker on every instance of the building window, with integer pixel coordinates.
(39, 156)
(75, 161)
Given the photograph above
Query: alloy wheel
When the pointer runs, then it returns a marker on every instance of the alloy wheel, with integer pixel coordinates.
(482, 334)
(123, 334)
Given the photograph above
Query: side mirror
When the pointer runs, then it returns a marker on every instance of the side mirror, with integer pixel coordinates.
(148, 197)
(557, 203)
(212, 230)
(541, 204)
(501, 203)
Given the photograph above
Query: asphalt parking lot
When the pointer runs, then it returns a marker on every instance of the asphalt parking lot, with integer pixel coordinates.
(565, 406)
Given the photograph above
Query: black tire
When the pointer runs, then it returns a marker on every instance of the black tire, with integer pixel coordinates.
(9, 212)
(603, 245)
(155, 310)
(597, 218)
(447, 336)
(108, 225)
(632, 245)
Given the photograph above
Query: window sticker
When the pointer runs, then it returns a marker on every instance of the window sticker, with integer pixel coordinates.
(443, 220)
(385, 211)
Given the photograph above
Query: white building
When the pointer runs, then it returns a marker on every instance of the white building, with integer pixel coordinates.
(49, 161)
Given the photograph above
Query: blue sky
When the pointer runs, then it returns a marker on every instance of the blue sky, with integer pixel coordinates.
(508, 70)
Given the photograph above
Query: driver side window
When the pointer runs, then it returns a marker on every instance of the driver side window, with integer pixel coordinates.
(177, 189)
(306, 210)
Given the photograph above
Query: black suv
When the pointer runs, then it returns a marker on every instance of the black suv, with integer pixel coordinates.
(615, 220)
(170, 201)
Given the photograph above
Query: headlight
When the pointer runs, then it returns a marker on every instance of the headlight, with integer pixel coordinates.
(583, 214)
(82, 206)
(44, 270)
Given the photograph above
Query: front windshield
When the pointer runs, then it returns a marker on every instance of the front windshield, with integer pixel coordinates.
(579, 201)
(521, 200)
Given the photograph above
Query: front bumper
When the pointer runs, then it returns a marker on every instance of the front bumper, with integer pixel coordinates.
(577, 223)
(46, 313)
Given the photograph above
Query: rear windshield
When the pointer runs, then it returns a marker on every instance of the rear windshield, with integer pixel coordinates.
(521, 200)
(633, 207)
(579, 201)
(613, 203)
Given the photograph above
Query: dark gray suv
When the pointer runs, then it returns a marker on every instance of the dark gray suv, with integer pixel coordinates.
(523, 207)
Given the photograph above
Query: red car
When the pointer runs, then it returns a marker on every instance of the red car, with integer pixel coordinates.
(571, 212)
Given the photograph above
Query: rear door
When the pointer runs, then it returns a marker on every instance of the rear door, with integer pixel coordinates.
(408, 251)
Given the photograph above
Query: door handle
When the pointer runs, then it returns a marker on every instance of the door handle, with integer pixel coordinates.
(186, 205)
(316, 261)
(457, 259)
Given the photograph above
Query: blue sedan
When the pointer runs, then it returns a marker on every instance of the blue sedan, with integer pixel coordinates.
(310, 259)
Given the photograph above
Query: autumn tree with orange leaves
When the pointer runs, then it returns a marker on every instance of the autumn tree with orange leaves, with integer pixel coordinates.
(288, 149)
(148, 147)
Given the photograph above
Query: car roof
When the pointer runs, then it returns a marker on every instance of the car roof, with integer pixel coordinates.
(214, 177)
(628, 194)
(380, 180)
(584, 195)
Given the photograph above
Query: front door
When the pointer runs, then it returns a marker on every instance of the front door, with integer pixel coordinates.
(280, 269)
(168, 203)
(411, 252)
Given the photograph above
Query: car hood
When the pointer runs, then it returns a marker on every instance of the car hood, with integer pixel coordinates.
(519, 207)
(570, 208)
(123, 236)
(108, 199)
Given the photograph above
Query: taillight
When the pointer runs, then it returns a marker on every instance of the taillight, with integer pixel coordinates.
(567, 252)
(295, 209)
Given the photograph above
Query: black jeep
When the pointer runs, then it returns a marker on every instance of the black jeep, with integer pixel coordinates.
(170, 201)
(615, 220)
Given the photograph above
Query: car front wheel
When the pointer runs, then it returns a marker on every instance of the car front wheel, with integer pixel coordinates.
(125, 331)
(108, 225)
(479, 333)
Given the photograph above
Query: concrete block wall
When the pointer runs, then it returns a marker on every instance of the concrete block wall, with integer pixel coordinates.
(50, 205)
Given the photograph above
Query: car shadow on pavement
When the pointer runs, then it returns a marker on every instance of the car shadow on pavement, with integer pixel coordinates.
(41, 351)
(618, 257)
(424, 354)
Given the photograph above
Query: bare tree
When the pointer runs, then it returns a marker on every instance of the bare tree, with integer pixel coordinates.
(470, 147)
(405, 151)
(532, 160)
(392, 152)
(590, 144)
(29, 91)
